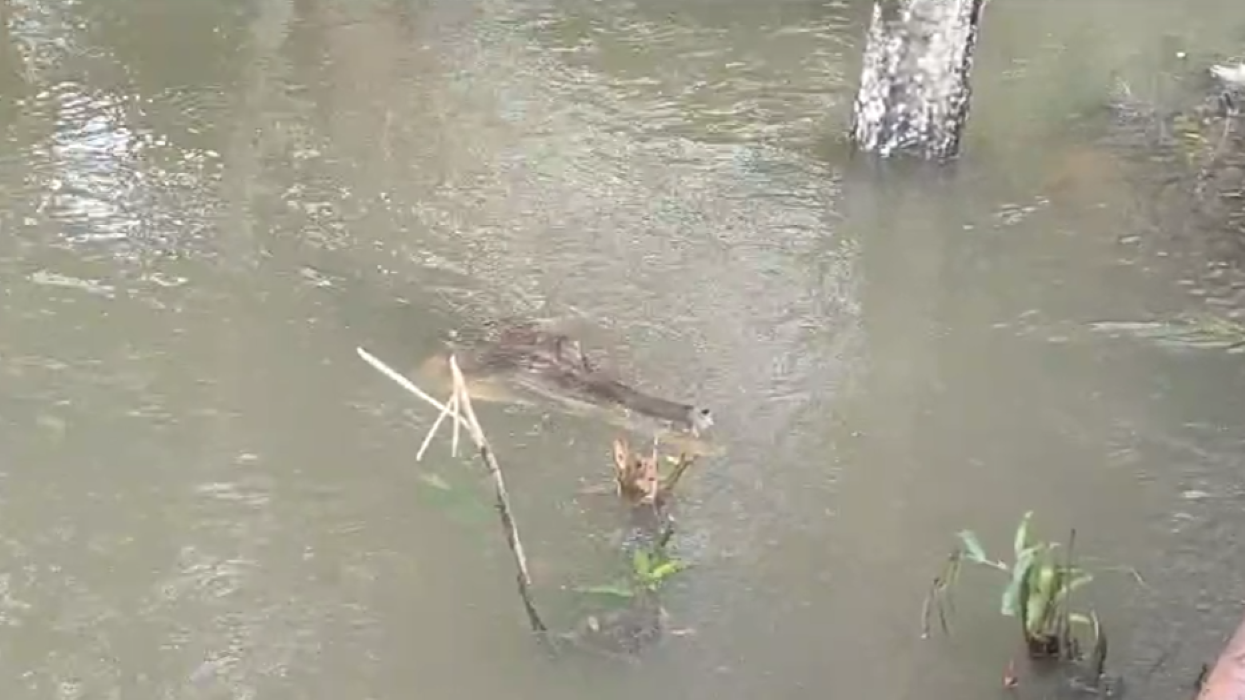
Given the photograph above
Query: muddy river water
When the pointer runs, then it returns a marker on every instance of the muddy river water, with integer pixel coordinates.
(206, 206)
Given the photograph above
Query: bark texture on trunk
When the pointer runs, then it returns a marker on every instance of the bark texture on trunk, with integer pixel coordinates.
(914, 82)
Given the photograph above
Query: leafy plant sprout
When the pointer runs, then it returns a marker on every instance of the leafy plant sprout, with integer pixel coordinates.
(651, 568)
(1040, 581)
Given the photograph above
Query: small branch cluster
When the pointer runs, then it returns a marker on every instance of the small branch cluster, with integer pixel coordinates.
(459, 408)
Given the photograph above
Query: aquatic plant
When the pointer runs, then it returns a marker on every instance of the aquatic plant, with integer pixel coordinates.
(1039, 584)
(634, 617)
(640, 620)
(639, 480)
(651, 568)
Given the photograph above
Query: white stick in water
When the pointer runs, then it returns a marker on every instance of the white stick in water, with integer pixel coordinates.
(499, 484)
(461, 401)
(450, 408)
(458, 421)
(464, 401)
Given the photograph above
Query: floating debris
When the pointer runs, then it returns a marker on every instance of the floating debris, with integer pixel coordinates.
(1231, 75)
(1186, 332)
(48, 278)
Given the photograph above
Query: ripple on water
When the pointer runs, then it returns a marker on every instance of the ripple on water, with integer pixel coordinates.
(106, 174)
(663, 74)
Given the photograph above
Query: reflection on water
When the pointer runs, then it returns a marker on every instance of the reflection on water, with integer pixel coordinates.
(204, 493)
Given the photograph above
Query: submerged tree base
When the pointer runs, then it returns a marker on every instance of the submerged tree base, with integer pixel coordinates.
(914, 83)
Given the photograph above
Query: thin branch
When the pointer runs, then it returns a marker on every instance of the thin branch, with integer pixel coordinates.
(449, 408)
(666, 489)
(398, 378)
(461, 399)
(508, 523)
(1064, 621)
(939, 596)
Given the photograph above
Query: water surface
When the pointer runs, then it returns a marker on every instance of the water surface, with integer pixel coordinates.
(207, 206)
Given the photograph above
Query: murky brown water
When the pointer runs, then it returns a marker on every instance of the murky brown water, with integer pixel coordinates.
(207, 206)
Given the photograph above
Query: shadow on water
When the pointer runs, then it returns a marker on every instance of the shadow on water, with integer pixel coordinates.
(203, 491)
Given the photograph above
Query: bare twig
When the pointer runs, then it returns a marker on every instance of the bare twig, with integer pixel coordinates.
(938, 598)
(671, 482)
(398, 378)
(1098, 657)
(1131, 571)
(1067, 642)
(508, 523)
(459, 406)
(929, 605)
(450, 408)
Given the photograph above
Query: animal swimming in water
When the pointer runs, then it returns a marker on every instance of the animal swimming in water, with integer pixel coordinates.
(554, 364)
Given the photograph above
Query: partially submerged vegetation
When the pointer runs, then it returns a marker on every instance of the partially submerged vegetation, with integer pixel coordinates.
(634, 618)
(639, 479)
(626, 615)
(631, 616)
(1037, 590)
(650, 568)
(646, 549)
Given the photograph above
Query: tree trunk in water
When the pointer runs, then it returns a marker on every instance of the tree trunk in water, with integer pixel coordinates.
(1226, 680)
(914, 81)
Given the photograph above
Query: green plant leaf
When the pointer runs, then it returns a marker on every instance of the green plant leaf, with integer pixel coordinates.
(1021, 541)
(1011, 594)
(1043, 587)
(666, 569)
(972, 547)
(641, 562)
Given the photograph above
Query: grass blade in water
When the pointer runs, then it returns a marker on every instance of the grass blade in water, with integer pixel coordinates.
(1011, 595)
(1021, 542)
(665, 570)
